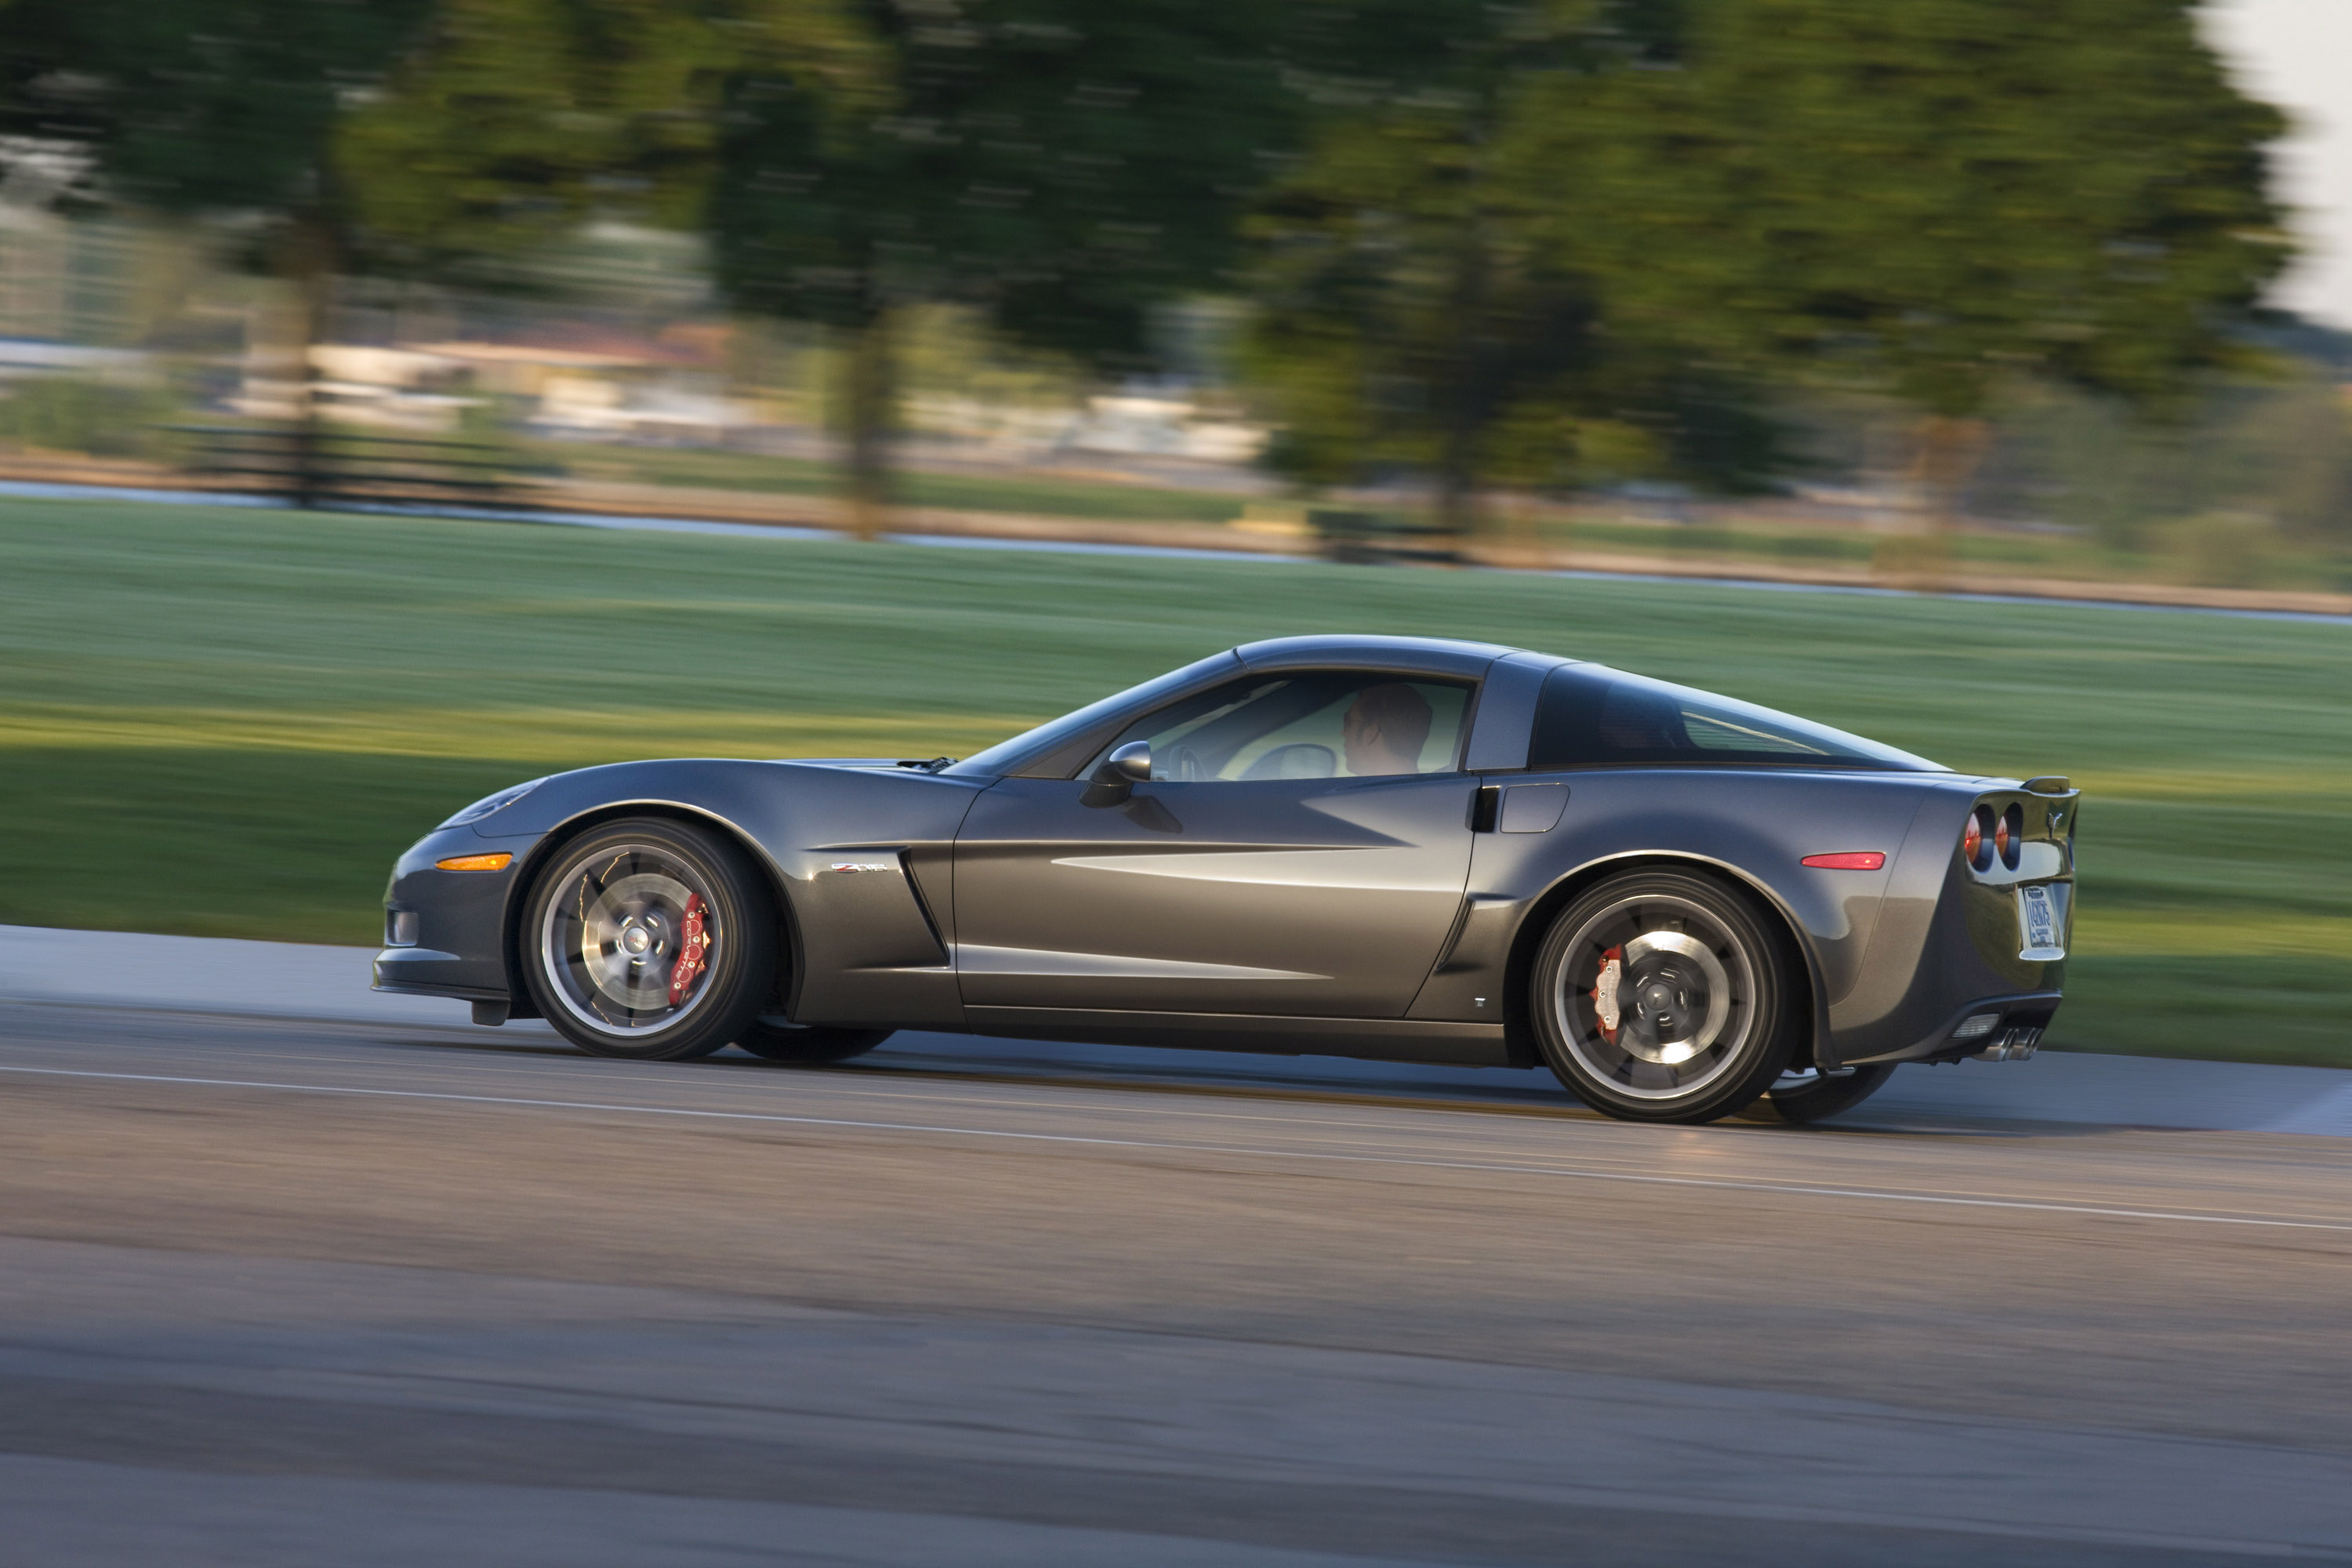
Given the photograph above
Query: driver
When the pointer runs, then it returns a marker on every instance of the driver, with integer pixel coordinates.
(1384, 729)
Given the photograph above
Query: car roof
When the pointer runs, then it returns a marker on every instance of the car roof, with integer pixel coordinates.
(1434, 656)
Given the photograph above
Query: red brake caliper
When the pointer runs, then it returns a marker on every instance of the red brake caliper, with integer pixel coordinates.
(1604, 992)
(693, 944)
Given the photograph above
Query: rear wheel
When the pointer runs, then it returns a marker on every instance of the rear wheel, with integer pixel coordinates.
(1662, 996)
(651, 939)
(1808, 1095)
(810, 1045)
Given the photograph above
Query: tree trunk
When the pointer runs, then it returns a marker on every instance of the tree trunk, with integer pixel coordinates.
(869, 408)
(309, 264)
(1459, 512)
(1465, 396)
(1457, 493)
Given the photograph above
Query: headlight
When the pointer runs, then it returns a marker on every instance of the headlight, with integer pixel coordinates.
(491, 803)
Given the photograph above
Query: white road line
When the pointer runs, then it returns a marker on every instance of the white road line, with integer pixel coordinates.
(1565, 1172)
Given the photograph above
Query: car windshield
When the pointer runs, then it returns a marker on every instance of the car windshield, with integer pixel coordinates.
(1593, 716)
(1030, 744)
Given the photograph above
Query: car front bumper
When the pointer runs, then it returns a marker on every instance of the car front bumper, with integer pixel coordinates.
(457, 920)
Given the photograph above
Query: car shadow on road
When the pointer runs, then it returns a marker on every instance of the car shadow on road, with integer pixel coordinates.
(1218, 1076)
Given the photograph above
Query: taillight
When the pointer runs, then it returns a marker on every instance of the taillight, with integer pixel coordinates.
(1972, 838)
(2009, 836)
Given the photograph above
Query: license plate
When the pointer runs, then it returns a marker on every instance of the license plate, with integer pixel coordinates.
(2037, 912)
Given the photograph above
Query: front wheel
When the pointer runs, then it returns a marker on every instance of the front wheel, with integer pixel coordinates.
(1662, 996)
(808, 1045)
(650, 940)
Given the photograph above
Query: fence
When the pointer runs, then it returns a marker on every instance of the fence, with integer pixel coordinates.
(326, 468)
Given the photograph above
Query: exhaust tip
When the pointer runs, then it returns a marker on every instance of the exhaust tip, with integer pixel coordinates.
(2013, 1045)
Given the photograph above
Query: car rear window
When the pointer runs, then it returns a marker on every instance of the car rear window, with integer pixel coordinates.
(1591, 716)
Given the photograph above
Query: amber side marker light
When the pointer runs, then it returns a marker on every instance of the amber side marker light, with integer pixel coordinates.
(1854, 860)
(498, 862)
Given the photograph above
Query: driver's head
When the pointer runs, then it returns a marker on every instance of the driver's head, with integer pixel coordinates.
(1384, 729)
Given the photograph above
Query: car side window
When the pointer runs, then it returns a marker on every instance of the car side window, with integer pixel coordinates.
(1591, 716)
(1322, 724)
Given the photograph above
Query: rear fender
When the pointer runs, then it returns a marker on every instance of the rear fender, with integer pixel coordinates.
(1749, 829)
(1529, 935)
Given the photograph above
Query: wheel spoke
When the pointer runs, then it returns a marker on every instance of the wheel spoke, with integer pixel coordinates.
(1677, 982)
(631, 948)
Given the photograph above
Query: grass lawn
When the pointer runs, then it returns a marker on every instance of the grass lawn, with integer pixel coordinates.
(229, 723)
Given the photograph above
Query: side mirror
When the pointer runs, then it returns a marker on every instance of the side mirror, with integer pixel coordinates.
(1121, 772)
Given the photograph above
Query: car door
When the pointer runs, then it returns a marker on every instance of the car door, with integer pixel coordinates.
(1273, 864)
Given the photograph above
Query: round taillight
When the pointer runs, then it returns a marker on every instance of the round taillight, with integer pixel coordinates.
(2000, 838)
(2008, 838)
(1972, 838)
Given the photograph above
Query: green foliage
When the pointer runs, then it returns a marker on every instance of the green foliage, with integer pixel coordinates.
(1421, 301)
(1940, 195)
(1403, 308)
(412, 136)
(198, 105)
(511, 121)
(1059, 165)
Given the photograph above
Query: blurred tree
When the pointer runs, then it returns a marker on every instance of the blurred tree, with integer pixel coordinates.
(512, 121)
(1939, 197)
(217, 107)
(412, 136)
(1420, 300)
(1059, 167)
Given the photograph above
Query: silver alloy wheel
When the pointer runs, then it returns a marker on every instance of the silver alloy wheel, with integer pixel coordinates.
(629, 940)
(1655, 996)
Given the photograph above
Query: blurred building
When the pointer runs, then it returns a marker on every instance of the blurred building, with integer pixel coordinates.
(583, 386)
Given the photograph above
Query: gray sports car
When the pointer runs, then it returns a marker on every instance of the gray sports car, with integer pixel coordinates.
(1397, 848)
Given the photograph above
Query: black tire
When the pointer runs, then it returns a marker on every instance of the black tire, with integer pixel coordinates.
(1808, 1095)
(1710, 998)
(809, 1046)
(649, 940)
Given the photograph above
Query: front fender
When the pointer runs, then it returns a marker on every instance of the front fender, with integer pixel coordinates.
(860, 856)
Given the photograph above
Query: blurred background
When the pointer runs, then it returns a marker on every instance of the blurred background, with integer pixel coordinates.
(1788, 285)
(1953, 295)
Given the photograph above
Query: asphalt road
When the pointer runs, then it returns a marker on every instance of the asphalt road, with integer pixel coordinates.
(276, 1293)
